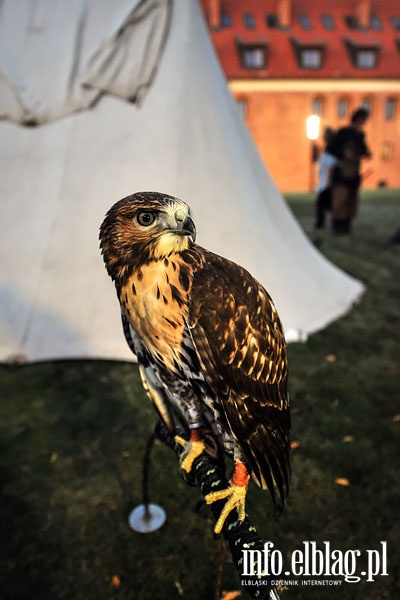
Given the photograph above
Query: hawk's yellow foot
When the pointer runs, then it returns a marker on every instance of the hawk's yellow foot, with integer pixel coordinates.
(192, 449)
(235, 494)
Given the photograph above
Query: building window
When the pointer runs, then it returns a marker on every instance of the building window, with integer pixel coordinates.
(365, 59)
(308, 56)
(328, 22)
(376, 23)
(395, 22)
(363, 56)
(352, 22)
(249, 21)
(342, 108)
(311, 58)
(252, 56)
(317, 107)
(242, 105)
(305, 22)
(390, 109)
(226, 20)
(387, 151)
(272, 21)
(367, 104)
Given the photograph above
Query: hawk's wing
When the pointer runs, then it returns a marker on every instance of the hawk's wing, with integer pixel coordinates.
(242, 351)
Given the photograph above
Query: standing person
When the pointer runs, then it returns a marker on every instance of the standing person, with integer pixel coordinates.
(349, 147)
(326, 163)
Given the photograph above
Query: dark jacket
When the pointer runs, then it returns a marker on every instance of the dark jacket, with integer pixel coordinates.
(348, 145)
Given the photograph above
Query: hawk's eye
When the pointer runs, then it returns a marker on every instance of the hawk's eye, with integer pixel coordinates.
(145, 218)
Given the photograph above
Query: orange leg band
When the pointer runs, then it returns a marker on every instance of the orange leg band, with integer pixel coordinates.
(196, 434)
(240, 475)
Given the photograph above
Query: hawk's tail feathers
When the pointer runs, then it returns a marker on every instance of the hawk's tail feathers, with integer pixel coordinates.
(271, 469)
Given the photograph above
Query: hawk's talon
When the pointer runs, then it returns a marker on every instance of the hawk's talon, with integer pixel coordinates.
(178, 439)
(191, 451)
(236, 498)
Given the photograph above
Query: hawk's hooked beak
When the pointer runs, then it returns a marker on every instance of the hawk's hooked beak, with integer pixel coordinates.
(186, 227)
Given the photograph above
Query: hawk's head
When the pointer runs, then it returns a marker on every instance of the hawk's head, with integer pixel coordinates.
(143, 227)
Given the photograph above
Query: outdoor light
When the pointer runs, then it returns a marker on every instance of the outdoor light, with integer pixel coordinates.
(312, 128)
(312, 125)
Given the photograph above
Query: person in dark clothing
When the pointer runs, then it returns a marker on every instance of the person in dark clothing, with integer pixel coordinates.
(349, 147)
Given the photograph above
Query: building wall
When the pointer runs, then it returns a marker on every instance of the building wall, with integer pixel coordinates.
(276, 114)
(262, 45)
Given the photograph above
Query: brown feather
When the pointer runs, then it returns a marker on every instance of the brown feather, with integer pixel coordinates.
(249, 371)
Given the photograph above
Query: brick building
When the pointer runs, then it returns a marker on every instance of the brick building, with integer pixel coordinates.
(288, 59)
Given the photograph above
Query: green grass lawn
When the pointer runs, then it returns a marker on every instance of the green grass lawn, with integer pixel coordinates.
(72, 436)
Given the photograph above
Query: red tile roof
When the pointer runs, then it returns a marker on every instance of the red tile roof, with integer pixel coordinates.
(281, 56)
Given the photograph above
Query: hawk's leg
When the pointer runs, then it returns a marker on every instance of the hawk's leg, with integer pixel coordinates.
(192, 449)
(235, 495)
(200, 435)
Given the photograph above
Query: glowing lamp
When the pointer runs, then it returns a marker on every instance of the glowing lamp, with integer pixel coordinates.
(312, 125)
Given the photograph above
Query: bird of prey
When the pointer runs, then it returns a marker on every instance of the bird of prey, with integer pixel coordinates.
(208, 340)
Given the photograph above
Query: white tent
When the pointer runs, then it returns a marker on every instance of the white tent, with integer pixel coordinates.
(73, 68)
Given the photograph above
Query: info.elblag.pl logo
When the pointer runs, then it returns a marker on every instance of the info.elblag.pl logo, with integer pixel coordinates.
(310, 561)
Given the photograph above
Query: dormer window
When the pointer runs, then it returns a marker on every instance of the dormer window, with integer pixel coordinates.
(363, 56)
(365, 59)
(252, 56)
(309, 56)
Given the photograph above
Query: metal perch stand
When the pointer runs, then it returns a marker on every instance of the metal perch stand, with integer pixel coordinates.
(147, 517)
